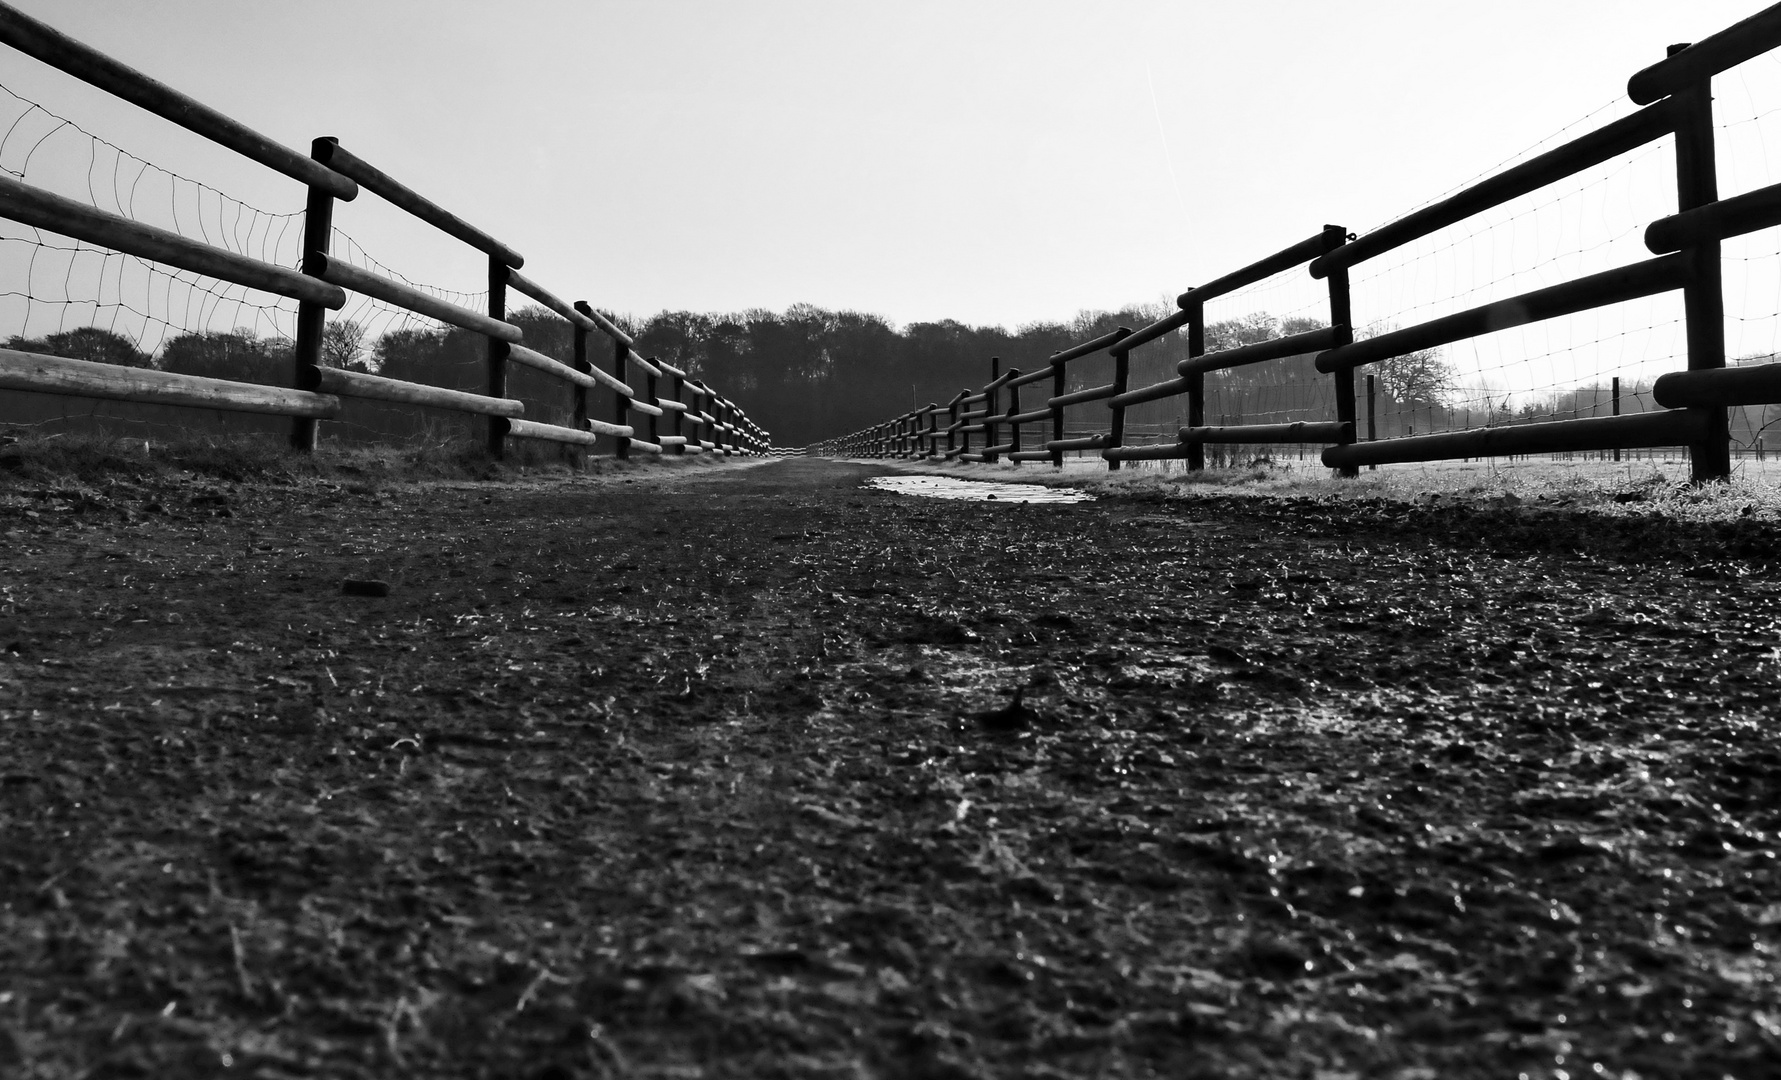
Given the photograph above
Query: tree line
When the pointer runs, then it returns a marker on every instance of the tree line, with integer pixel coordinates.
(809, 373)
(804, 374)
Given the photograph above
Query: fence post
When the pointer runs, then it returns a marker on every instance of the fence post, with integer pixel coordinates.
(1339, 316)
(1196, 383)
(1616, 408)
(1703, 300)
(318, 229)
(693, 423)
(578, 398)
(1058, 379)
(649, 392)
(678, 385)
(952, 418)
(991, 392)
(1122, 374)
(702, 409)
(1342, 331)
(582, 364)
(497, 355)
(1013, 428)
(621, 355)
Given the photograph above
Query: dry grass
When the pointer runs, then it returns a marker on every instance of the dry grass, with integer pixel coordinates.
(1606, 487)
(90, 458)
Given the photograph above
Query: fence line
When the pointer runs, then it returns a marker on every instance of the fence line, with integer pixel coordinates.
(708, 423)
(1676, 99)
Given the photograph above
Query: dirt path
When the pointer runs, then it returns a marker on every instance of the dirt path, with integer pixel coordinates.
(755, 772)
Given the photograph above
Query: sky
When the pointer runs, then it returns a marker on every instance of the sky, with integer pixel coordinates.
(987, 161)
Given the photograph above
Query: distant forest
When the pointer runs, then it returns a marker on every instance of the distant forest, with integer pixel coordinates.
(808, 373)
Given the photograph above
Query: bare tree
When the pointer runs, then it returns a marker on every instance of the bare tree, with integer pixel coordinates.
(1421, 378)
(343, 345)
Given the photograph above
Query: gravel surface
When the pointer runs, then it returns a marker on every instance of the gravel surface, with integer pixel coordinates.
(754, 771)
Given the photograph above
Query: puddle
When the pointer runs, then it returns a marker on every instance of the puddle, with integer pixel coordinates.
(945, 487)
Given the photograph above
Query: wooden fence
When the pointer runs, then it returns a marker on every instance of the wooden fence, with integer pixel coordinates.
(672, 413)
(1676, 99)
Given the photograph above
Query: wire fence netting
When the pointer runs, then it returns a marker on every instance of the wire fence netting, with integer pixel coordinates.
(66, 297)
(1599, 362)
(69, 298)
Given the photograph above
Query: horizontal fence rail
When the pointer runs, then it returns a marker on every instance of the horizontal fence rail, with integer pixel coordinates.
(42, 42)
(1674, 95)
(348, 276)
(697, 418)
(1608, 287)
(43, 210)
(40, 374)
(374, 180)
(360, 384)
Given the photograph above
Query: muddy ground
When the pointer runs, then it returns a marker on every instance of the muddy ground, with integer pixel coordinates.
(750, 771)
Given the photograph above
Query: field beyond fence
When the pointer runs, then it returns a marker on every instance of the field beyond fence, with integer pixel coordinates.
(1574, 302)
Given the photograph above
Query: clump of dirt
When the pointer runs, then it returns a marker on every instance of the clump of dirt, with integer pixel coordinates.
(752, 771)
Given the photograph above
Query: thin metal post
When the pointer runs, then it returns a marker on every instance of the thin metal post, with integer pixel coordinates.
(497, 354)
(1616, 406)
(318, 227)
(1372, 417)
